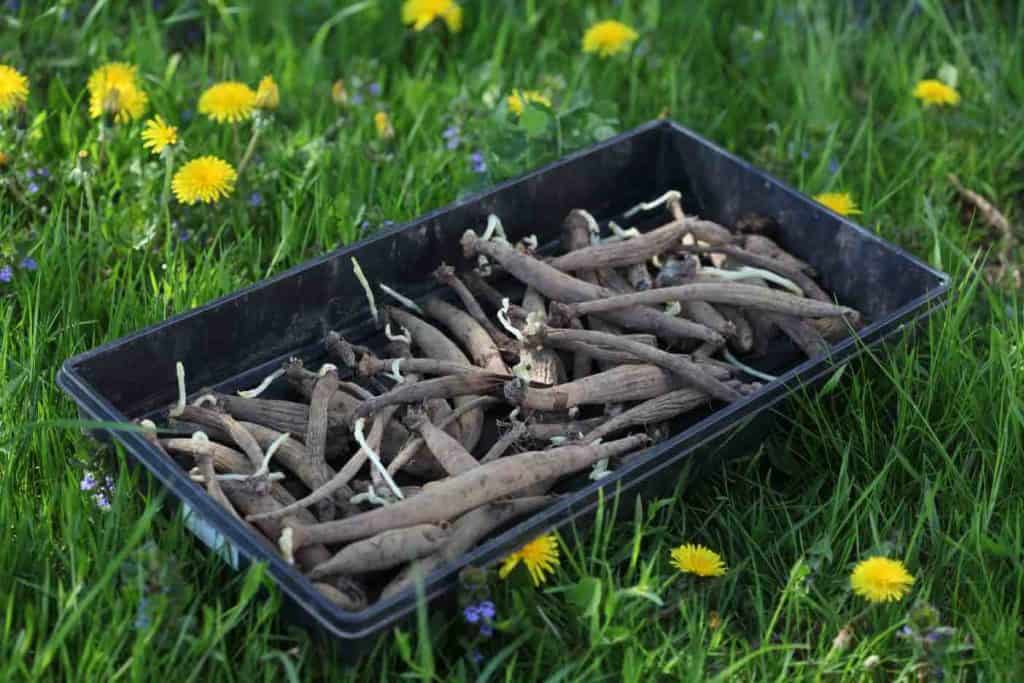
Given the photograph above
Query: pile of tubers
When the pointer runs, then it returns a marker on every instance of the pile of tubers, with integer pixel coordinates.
(470, 410)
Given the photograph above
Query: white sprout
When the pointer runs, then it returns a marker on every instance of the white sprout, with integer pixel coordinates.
(483, 265)
(573, 412)
(267, 381)
(656, 261)
(148, 425)
(203, 400)
(733, 360)
(748, 273)
(514, 414)
(357, 432)
(200, 437)
(531, 242)
(654, 203)
(395, 373)
(619, 234)
(505, 322)
(495, 230)
(177, 410)
(264, 467)
(366, 287)
(325, 368)
(287, 545)
(402, 299)
(673, 308)
(368, 496)
(558, 440)
(195, 476)
(405, 336)
(592, 226)
(600, 470)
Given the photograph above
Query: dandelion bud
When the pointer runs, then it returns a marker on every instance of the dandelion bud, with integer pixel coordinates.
(385, 131)
(338, 93)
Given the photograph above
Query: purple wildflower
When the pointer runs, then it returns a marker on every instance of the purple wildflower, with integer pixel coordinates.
(102, 502)
(89, 482)
(33, 188)
(184, 235)
(479, 164)
(6, 274)
(30, 174)
(452, 136)
(357, 98)
(375, 89)
(44, 172)
(255, 199)
(472, 614)
(29, 263)
(486, 609)
(476, 656)
(486, 630)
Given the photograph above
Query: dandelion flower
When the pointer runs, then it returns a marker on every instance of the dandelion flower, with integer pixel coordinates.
(518, 100)
(422, 13)
(608, 38)
(206, 179)
(114, 89)
(696, 559)
(158, 135)
(840, 202)
(540, 556)
(13, 88)
(267, 94)
(228, 102)
(879, 579)
(933, 92)
(381, 120)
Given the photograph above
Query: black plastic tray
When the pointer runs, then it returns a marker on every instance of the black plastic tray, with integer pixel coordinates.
(236, 340)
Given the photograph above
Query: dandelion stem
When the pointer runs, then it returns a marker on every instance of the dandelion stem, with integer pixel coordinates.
(244, 161)
(165, 195)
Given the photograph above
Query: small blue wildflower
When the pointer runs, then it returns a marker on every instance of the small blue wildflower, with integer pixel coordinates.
(108, 482)
(142, 617)
(472, 614)
(89, 482)
(255, 199)
(32, 188)
(13, 5)
(905, 632)
(452, 136)
(6, 274)
(486, 609)
(44, 172)
(30, 174)
(29, 263)
(356, 98)
(478, 162)
(102, 502)
(486, 630)
(833, 166)
(476, 656)
(375, 89)
(184, 235)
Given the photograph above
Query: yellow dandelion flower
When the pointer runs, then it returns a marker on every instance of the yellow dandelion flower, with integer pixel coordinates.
(540, 556)
(228, 102)
(381, 120)
(422, 13)
(696, 559)
(114, 90)
(840, 202)
(933, 92)
(158, 135)
(518, 99)
(206, 179)
(267, 94)
(13, 88)
(879, 579)
(608, 38)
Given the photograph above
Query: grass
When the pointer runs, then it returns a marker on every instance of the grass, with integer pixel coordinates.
(915, 454)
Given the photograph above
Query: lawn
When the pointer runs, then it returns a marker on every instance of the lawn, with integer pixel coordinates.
(914, 455)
